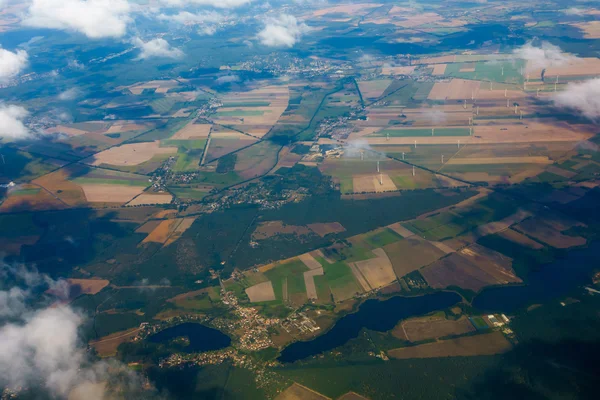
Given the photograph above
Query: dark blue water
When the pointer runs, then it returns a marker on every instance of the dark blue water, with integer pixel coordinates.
(550, 281)
(373, 314)
(202, 338)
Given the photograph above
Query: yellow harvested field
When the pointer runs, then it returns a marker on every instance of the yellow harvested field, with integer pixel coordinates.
(193, 131)
(309, 261)
(362, 281)
(499, 94)
(438, 69)
(299, 392)
(577, 66)
(373, 183)
(478, 345)
(261, 292)
(161, 233)
(378, 272)
(178, 228)
(309, 282)
(148, 198)
(500, 160)
(436, 60)
(406, 70)
(591, 29)
(456, 89)
(66, 130)
(107, 193)
(400, 230)
(88, 286)
(442, 246)
(353, 9)
(130, 154)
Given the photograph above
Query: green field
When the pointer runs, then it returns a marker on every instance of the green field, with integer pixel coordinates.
(188, 193)
(184, 144)
(420, 132)
(341, 281)
(163, 106)
(239, 113)
(489, 71)
(186, 162)
(292, 273)
(246, 104)
(381, 238)
(25, 192)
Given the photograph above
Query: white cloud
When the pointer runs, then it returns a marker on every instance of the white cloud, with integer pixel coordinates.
(41, 348)
(93, 18)
(582, 97)
(211, 3)
(69, 94)
(11, 64)
(158, 47)
(11, 122)
(283, 31)
(547, 55)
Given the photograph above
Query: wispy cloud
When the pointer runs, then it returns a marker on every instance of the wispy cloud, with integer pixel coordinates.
(212, 3)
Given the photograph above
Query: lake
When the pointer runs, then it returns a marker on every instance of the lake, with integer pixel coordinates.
(202, 338)
(550, 281)
(372, 314)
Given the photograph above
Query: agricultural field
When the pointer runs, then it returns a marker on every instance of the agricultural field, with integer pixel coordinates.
(256, 160)
(550, 232)
(478, 345)
(261, 292)
(130, 154)
(166, 231)
(288, 282)
(432, 327)
(224, 141)
(375, 272)
(77, 185)
(412, 253)
(247, 112)
(29, 197)
(299, 392)
(472, 268)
